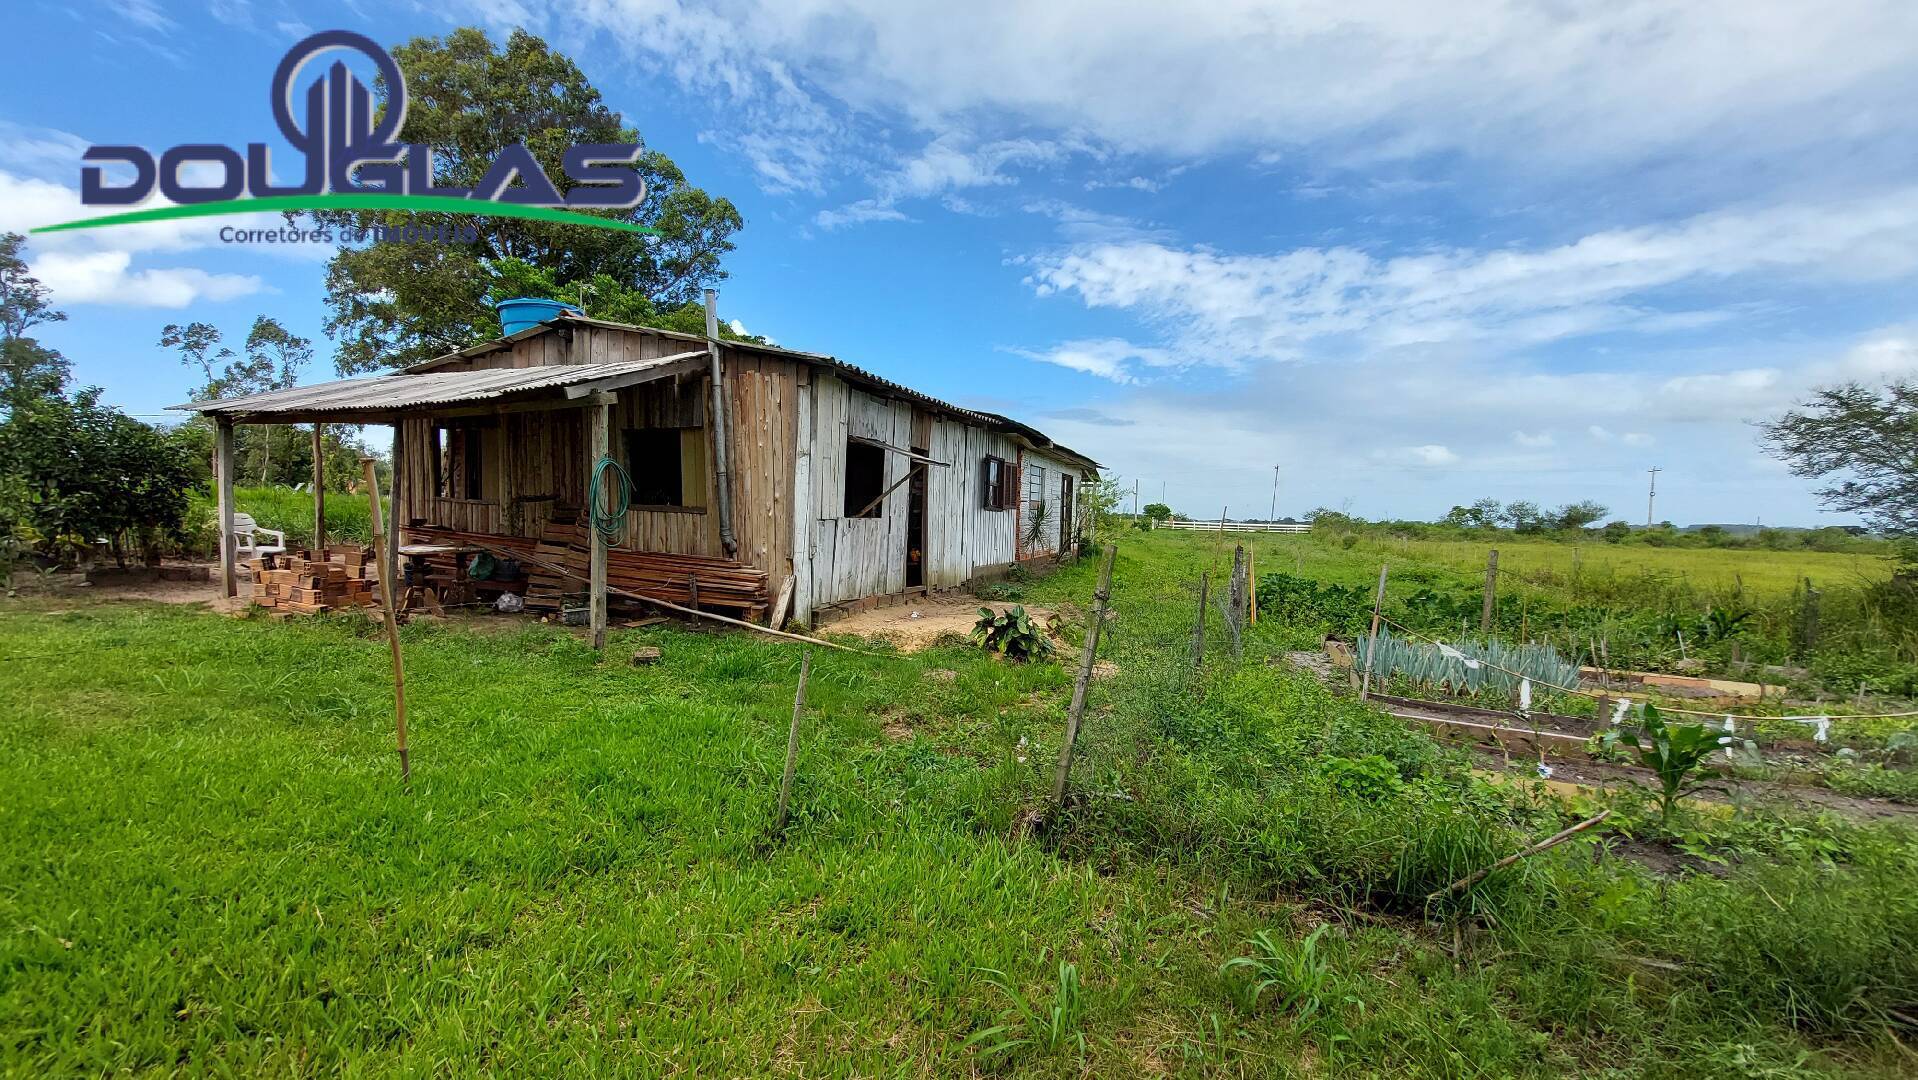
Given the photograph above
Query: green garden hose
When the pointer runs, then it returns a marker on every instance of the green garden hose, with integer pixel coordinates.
(609, 522)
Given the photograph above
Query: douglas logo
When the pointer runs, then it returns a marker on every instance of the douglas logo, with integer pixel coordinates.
(352, 162)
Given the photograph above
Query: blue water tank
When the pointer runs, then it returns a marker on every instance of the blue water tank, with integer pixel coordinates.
(529, 311)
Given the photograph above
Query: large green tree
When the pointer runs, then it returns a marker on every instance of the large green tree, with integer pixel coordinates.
(1864, 441)
(28, 369)
(393, 303)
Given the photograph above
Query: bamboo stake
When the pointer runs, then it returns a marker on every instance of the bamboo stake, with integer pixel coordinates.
(1078, 708)
(1372, 643)
(792, 740)
(1553, 840)
(392, 624)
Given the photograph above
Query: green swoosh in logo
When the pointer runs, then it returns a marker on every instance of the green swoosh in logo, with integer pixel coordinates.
(446, 204)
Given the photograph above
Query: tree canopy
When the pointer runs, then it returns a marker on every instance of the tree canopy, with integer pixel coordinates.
(1864, 442)
(28, 369)
(394, 303)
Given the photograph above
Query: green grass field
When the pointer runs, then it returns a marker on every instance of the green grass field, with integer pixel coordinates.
(207, 864)
(1761, 573)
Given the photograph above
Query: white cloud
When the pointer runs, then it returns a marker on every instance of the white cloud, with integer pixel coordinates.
(1217, 445)
(948, 164)
(97, 267)
(1108, 358)
(107, 277)
(1536, 87)
(1429, 454)
(1539, 441)
(1219, 307)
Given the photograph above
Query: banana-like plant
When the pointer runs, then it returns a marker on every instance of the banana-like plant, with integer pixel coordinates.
(1011, 633)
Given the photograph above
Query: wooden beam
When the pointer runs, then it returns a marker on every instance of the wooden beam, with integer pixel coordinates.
(598, 441)
(319, 489)
(685, 364)
(223, 483)
(802, 508)
(393, 508)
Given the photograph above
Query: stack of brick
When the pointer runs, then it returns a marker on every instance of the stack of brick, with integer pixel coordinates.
(298, 582)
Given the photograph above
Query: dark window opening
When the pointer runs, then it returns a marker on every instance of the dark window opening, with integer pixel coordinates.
(996, 483)
(458, 465)
(865, 479)
(653, 460)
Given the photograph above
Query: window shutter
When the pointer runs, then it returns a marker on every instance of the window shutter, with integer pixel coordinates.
(985, 483)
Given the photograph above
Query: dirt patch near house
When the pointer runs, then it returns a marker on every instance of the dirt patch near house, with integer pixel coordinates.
(111, 585)
(916, 625)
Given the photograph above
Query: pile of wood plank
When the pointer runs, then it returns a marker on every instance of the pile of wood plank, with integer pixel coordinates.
(557, 564)
(299, 582)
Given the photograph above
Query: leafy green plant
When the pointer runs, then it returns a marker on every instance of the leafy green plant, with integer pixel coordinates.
(1298, 974)
(1674, 753)
(1059, 1025)
(1011, 633)
(1371, 777)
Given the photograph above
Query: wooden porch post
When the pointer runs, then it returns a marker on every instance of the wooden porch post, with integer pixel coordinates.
(397, 525)
(319, 493)
(223, 484)
(599, 423)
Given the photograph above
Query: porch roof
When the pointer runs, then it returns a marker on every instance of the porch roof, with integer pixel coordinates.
(379, 398)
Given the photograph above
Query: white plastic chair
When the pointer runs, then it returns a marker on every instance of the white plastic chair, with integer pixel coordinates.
(246, 543)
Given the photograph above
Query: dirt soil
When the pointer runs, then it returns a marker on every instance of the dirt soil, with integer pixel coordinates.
(109, 585)
(916, 625)
(1601, 775)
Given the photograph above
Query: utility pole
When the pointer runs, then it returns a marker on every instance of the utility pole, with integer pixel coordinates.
(1651, 499)
(1135, 498)
(1275, 495)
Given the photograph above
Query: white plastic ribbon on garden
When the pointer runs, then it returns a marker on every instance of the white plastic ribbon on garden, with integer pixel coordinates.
(1726, 740)
(1525, 695)
(1618, 713)
(1453, 654)
(1820, 725)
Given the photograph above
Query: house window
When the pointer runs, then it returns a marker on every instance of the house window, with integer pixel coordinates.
(865, 479)
(459, 461)
(667, 466)
(997, 483)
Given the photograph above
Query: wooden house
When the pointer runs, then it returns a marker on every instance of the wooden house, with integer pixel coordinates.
(848, 486)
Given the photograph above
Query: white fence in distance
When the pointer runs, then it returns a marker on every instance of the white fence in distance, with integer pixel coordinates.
(1238, 526)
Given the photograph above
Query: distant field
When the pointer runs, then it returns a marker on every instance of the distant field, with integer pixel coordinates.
(1762, 573)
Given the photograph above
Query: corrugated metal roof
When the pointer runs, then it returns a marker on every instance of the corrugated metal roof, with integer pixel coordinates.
(385, 393)
(854, 372)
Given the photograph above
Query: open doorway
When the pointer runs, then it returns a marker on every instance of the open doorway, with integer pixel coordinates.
(1066, 501)
(916, 522)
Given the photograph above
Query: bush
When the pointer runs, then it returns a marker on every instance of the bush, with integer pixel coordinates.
(77, 472)
(1011, 633)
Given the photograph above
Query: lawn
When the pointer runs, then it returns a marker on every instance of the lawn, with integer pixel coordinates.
(207, 863)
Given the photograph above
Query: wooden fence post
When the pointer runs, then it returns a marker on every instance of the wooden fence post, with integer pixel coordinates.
(392, 624)
(1198, 624)
(1372, 643)
(1078, 707)
(1491, 591)
(792, 740)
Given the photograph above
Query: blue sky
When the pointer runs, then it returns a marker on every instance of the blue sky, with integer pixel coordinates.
(1412, 254)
